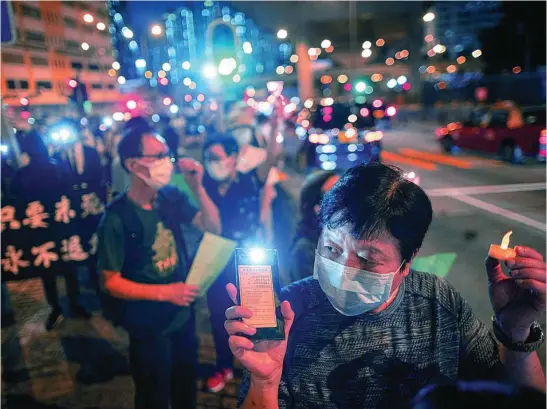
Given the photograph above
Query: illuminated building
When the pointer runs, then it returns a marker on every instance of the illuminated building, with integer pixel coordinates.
(48, 53)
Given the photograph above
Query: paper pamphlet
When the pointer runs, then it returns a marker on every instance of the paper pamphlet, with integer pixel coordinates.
(212, 256)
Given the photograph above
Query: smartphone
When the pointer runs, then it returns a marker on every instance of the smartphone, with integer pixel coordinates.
(257, 276)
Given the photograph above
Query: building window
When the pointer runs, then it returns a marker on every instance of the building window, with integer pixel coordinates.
(30, 11)
(13, 58)
(43, 84)
(39, 61)
(11, 84)
(111, 86)
(70, 22)
(23, 84)
(35, 37)
(72, 45)
(93, 67)
(77, 65)
(96, 86)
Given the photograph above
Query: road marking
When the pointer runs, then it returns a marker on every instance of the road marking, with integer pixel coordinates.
(393, 157)
(487, 189)
(490, 208)
(437, 158)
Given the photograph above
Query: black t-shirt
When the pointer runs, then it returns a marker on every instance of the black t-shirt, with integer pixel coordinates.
(147, 246)
(239, 208)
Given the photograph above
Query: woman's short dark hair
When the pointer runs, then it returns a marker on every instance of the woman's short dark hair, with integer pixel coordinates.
(130, 145)
(226, 140)
(375, 198)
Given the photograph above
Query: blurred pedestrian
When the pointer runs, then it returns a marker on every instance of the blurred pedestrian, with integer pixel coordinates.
(237, 196)
(308, 230)
(42, 179)
(366, 331)
(144, 262)
(84, 170)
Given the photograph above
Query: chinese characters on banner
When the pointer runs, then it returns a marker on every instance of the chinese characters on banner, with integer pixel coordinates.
(38, 237)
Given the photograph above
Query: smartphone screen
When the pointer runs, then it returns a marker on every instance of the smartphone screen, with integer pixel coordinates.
(258, 281)
(257, 294)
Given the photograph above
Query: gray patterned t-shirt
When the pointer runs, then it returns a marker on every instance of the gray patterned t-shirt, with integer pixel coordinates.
(381, 360)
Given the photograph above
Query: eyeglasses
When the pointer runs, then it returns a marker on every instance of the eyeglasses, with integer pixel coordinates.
(158, 156)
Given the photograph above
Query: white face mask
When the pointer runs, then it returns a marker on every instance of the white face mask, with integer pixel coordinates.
(160, 172)
(352, 291)
(220, 170)
(243, 135)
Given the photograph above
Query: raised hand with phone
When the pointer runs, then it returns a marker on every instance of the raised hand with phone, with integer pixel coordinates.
(263, 359)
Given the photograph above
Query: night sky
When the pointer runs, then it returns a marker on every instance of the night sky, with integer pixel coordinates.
(272, 15)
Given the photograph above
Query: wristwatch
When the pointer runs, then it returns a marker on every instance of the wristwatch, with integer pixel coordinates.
(534, 341)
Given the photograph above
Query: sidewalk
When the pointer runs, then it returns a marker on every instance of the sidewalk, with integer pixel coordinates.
(81, 365)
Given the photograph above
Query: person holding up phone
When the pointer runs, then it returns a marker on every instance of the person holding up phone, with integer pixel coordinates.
(144, 263)
(368, 332)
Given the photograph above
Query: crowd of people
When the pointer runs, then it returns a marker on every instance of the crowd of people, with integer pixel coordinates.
(362, 330)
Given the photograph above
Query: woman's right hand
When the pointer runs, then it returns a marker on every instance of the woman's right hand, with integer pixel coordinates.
(263, 359)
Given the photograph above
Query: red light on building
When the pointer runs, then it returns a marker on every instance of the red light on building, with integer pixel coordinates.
(407, 86)
(24, 101)
(347, 87)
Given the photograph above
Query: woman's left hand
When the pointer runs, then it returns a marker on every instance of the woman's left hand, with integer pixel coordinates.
(520, 299)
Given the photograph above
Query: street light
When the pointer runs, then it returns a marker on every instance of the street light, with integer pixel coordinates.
(476, 53)
(116, 65)
(101, 26)
(121, 80)
(247, 48)
(227, 66)
(140, 63)
(127, 33)
(429, 17)
(85, 46)
(156, 30)
(186, 65)
(88, 18)
(326, 43)
(282, 34)
(209, 71)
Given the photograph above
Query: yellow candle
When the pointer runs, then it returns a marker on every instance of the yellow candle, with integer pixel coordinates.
(503, 252)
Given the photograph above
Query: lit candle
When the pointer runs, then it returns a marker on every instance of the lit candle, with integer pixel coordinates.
(503, 252)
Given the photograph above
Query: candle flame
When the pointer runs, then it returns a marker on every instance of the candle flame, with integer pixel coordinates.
(505, 240)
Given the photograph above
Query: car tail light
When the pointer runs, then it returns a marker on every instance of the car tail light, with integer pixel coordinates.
(543, 137)
(441, 131)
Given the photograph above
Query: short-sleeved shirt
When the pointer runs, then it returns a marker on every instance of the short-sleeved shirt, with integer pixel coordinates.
(147, 246)
(428, 334)
(239, 208)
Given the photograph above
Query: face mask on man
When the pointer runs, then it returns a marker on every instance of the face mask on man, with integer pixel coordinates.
(160, 172)
(220, 170)
(352, 291)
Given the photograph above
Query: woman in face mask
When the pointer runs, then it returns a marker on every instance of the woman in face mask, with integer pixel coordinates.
(308, 230)
(237, 197)
(367, 332)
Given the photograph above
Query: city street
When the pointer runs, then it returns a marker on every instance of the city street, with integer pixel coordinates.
(476, 201)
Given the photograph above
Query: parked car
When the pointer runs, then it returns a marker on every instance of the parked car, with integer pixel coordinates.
(503, 129)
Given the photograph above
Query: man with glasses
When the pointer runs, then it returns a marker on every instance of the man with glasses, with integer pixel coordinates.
(144, 263)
